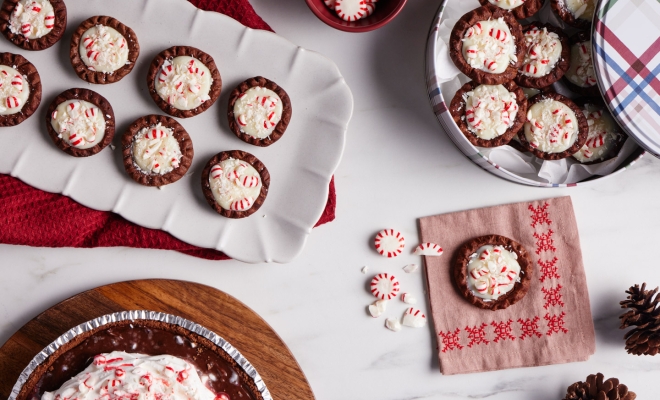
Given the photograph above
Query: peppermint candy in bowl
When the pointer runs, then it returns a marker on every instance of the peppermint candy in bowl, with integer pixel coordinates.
(235, 183)
(80, 122)
(33, 24)
(103, 50)
(259, 111)
(184, 81)
(20, 89)
(157, 150)
(492, 272)
(356, 15)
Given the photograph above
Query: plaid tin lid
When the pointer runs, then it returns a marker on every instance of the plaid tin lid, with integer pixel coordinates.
(626, 46)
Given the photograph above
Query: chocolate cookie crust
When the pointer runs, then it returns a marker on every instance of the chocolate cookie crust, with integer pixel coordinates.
(248, 158)
(42, 43)
(560, 8)
(44, 376)
(259, 81)
(178, 51)
(589, 91)
(456, 44)
(457, 110)
(583, 127)
(29, 72)
(154, 179)
(462, 258)
(560, 67)
(83, 71)
(527, 9)
(97, 100)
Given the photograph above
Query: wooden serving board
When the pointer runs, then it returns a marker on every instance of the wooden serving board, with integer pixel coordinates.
(209, 307)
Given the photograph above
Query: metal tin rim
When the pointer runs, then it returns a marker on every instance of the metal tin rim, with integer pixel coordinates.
(142, 315)
(449, 126)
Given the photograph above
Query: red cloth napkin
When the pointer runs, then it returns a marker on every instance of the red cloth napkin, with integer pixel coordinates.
(32, 217)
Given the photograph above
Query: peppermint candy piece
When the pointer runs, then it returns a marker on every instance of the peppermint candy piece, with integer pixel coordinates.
(408, 298)
(389, 243)
(393, 324)
(385, 286)
(428, 249)
(410, 268)
(351, 10)
(364, 269)
(414, 318)
(377, 308)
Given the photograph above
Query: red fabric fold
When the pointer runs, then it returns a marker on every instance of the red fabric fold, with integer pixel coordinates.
(32, 217)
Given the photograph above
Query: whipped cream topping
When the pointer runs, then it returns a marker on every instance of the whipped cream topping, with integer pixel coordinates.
(32, 18)
(603, 136)
(490, 110)
(235, 184)
(489, 46)
(103, 49)
(79, 123)
(507, 4)
(14, 90)
(583, 9)
(257, 112)
(121, 376)
(581, 72)
(551, 126)
(492, 271)
(184, 82)
(543, 52)
(156, 150)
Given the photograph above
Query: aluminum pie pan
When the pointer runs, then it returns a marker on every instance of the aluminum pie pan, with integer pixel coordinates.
(136, 315)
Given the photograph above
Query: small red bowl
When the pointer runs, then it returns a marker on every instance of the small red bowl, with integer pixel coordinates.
(386, 10)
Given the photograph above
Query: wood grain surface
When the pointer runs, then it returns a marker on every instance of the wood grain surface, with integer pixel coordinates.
(209, 307)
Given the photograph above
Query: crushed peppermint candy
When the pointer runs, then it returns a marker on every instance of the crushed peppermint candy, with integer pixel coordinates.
(377, 308)
(258, 110)
(414, 318)
(551, 126)
(103, 49)
(156, 150)
(492, 271)
(428, 249)
(489, 46)
(490, 110)
(393, 324)
(543, 52)
(581, 72)
(604, 134)
(79, 123)
(410, 268)
(184, 82)
(14, 90)
(32, 18)
(235, 184)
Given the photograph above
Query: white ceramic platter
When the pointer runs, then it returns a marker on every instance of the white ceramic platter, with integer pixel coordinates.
(301, 164)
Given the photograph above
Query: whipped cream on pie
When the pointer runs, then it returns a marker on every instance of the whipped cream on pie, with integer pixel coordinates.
(184, 82)
(32, 18)
(156, 150)
(490, 110)
(543, 52)
(551, 126)
(235, 184)
(604, 134)
(492, 271)
(103, 49)
(489, 46)
(79, 123)
(581, 71)
(14, 90)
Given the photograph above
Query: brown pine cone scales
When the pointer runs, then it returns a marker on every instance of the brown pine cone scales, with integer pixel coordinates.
(597, 389)
(644, 314)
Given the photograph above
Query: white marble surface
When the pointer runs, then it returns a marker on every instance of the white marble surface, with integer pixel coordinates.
(398, 166)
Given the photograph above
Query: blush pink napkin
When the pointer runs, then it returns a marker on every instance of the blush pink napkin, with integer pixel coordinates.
(552, 324)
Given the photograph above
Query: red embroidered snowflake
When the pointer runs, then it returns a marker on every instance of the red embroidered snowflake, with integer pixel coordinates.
(450, 341)
(544, 242)
(477, 335)
(549, 269)
(552, 297)
(503, 330)
(555, 323)
(540, 215)
(529, 327)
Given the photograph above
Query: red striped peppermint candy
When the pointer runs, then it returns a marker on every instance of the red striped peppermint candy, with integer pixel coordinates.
(351, 10)
(17, 82)
(242, 205)
(216, 171)
(249, 181)
(385, 286)
(414, 318)
(428, 249)
(49, 21)
(12, 102)
(389, 243)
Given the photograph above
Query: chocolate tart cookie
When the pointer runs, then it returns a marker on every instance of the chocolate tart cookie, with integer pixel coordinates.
(235, 183)
(157, 150)
(577, 13)
(605, 137)
(547, 56)
(33, 24)
(581, 76)
(103, 50)
(486, 45)
(142, 337)
(20, 89)
(492, 272)
(520, 9)
(184, 81)
(259, 111)
(80, 122)
(489, 116)
(555, 127)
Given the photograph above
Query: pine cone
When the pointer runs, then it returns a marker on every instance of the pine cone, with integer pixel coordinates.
(644, 314)
(595, 389)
